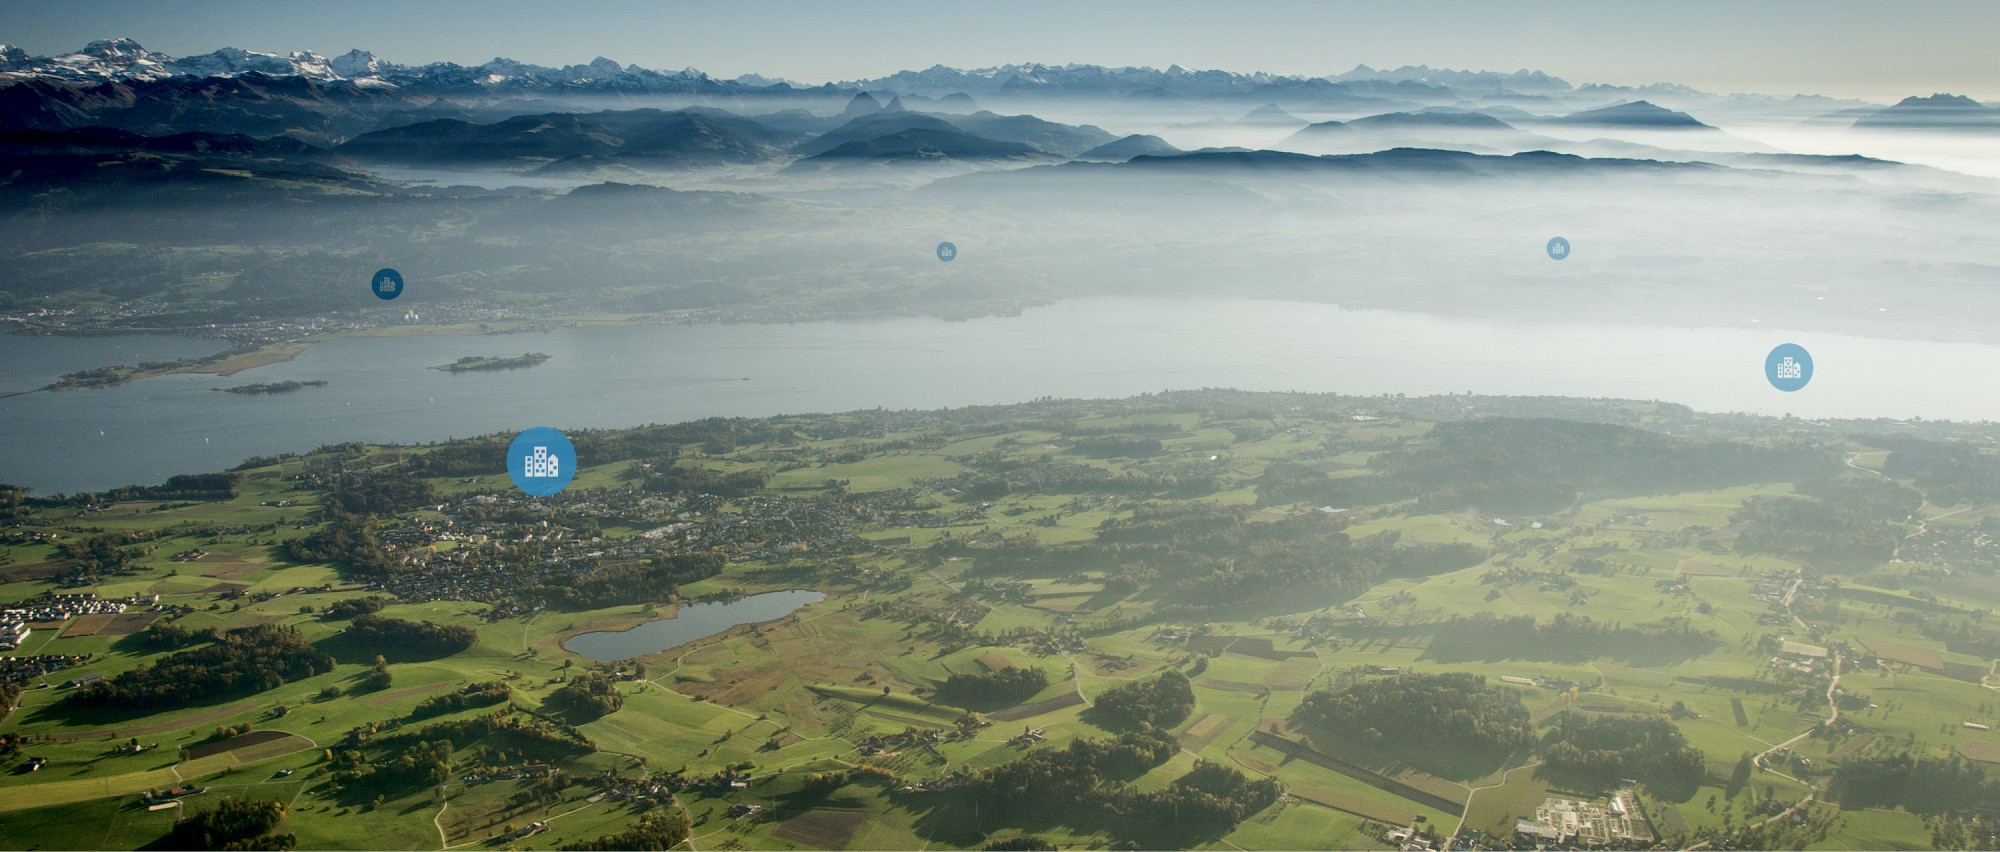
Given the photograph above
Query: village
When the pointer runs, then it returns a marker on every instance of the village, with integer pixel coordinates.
(471, 555)
(17, 623)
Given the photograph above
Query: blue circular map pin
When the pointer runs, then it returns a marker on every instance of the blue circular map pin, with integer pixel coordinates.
(541, 461)
(947, 251)
(1558, 248)
(387, 284)
(1788, 367)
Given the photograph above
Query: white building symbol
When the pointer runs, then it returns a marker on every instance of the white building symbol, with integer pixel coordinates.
(1558, 248)
(1790, 369)
(385, 284)
(541, 465)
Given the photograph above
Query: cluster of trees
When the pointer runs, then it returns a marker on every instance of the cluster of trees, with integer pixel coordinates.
(524, 737)
(1210, 796)
(232, 824)
(714, 435)
(416, 638)
(823, 783)
(346, 540)
(379, 493)
(659, 830)
(346, 608)
(1864, 496)
(1964, 831)
(1537, 465)
(1204, 558)
(13, 503)
(419, 764)
(1056, 780)
(378, 677)
(1004, 688)
(460, 458)
(1850, 523)
(1161, 702)
(246, 660)
(1950, 472)
(1084, 782)
(102, 553)
(1814, 532)
(1565, 638)
(187, 486)
(1921, 784)
(675, 478)
(424, 756)
(1208, 561)
(589, 695)
(1596, 752)
(164, 635)
(1457, 711)
(484, 694)
(1112, 446)
(1019, 843)
(658, 579)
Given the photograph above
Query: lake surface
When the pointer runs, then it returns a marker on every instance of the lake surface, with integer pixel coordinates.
(381, 388)
(691, 623)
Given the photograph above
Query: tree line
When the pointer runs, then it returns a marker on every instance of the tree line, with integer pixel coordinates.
(1004, 688)
(1085, 783)
(1457, 711)
(477, 695)
(1588, 752)
(1162, 702)
(415, 638)
(246, 660)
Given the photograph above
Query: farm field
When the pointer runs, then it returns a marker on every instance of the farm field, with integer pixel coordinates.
(983, 611)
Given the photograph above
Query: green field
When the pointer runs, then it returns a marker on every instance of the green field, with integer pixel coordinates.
(943, 558)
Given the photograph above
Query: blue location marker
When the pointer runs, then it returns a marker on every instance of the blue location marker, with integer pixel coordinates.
(1558, 248)
(541, 461)
(1788, 367)
(947, 251)
(387, 284)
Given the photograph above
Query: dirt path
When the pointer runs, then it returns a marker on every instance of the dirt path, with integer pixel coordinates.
(444, 804)
(1474, 793)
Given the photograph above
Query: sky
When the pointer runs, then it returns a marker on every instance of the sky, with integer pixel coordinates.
(1874, 50)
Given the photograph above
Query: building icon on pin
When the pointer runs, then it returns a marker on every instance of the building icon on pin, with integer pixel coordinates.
(1789, 369)
(541, 465)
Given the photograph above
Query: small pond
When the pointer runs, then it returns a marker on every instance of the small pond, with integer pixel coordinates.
(692, 622)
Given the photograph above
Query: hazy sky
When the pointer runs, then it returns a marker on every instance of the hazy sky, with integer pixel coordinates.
(1877, 50)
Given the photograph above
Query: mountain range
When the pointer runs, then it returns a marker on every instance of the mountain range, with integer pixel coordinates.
(602, 120)
(939, 88)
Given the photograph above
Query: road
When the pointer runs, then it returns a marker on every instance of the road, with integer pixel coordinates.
(1832, 718)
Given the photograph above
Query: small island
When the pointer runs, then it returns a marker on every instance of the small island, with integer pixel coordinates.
(274, 387)
(470, 363)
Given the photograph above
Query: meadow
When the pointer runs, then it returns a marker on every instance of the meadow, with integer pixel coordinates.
(854, 680)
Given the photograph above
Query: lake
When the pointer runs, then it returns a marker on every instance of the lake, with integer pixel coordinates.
(381, 388)
(691, 623)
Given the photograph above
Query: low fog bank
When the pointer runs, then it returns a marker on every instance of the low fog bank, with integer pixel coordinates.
(832, 206)
(1690, 244)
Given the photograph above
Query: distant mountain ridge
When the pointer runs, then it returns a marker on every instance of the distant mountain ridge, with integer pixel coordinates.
(1937, 112)
(1637, 114)
(125, 60)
